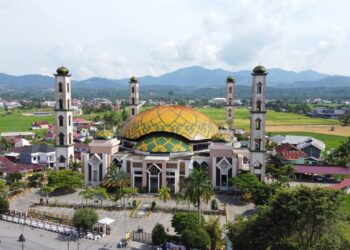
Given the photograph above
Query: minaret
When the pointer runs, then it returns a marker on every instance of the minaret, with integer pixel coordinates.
(257, 123)
(134, 96)
(230, 93)
(64, 119)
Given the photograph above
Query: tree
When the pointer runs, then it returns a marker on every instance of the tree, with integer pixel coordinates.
(85, 218)
(345, 120)
(35, 179)
(88, 194)
(101, 194)
(164, 194)
(214, 204)
(18, 186)
(116, 178)
(46, 190)
(4, 145)
(4, 205)
(128, 192)
(158, 235)
(4, 189)
(65, 180)
(13, 177)
(75, 165)
(341, 155)
(298, 218)
(184, 220)
(196, 238)
(198, 188)
(124, 114)
(214, 231)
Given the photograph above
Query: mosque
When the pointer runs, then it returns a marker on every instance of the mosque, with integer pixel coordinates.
(162, 145)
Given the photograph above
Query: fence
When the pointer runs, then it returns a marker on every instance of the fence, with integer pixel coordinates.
(141, 237)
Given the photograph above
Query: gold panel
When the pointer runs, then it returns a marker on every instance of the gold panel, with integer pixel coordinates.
(180, 120)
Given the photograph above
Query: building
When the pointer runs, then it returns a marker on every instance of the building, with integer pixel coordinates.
(162, 145)
(134, 100)
(64, 119)
(290, 153)
(8, 167)
(257, 122)
(38, 154)
(230, 87)
(40, 125)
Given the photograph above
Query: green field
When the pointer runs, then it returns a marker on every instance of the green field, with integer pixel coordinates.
(17, 122)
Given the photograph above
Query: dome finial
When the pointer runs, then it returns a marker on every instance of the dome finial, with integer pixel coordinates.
(133, 79)
(230, 79)
(259, 70)
(62, 71)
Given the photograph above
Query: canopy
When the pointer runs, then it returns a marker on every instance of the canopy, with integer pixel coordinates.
(106, 221)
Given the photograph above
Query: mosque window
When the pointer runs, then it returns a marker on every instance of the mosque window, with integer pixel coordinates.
(257, 144)
(258, 105)
(230, 101)
(258, 124)
(259, 87)
(230, 90)
(68, 104)
(133, 101)
(229, 113)
(132, 90)
(132, 111)
(70, 138)
(61, 139)
(69, 120)
(62, 159)
(60, 87)
(60, 104)
(68, 87)
(60, 121)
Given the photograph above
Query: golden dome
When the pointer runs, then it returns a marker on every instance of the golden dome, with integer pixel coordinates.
(180, 120)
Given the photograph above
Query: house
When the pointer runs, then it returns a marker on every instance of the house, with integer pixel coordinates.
(290, 153)
(38, 154)
(40, 125)
(8, 167)
(22, 143)
(309, 145)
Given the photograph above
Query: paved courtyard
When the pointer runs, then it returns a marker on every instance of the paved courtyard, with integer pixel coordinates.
(41, 239)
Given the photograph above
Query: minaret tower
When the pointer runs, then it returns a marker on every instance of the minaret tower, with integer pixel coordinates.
(230, 93)
(134, 96)
(64, 119)
(257, 123)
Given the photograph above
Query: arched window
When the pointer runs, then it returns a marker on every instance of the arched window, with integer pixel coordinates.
(69, 120)
(257, 144)
(258, 124)
(230, 90)
(258, 105)
(230, 101)
(61, 139)
(68, 104)
(68, 87)
(60, 103)
(229, 113)
(132, 111)
(60, 87)
(70, 138)
(132, 90)
(61, 159)
(133, 100)
(259, 87)
(60, 121)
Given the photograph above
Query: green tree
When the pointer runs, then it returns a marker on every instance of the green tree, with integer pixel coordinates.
(4, 205)
(35, 179)
(4, 145)
(75, 165)
(101, 194)
(18, 186)
(215, 233)
(4, 189)
(88, 194)
(158, 235)
(345, 120)
(127, 192)
(298, 218)
(124, 114)
(46, 190)
(198, 189)
(164, 194)
(116, 177)
(65, 180)
(341, 155)
(196, 238)
(13, 177)
(85, 218)
(184, 220)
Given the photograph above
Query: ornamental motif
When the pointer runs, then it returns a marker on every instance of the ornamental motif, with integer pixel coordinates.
(95, 160)
(154, 170)
(181, 120)
(224, 165)
(162, 144)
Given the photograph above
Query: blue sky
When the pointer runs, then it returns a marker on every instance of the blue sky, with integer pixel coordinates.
(115, 39)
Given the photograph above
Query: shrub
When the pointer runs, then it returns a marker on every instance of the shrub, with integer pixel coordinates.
(154, 204)
(196, 238)
(158, 235)
(4, 205)
(134, 203)
(214, 204)
(85, 218)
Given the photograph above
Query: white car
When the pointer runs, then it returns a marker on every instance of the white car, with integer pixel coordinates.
(53, 228)
(34, 223)
(16, 220)
(60, 229)
(40, 224)
(21, 221)
(28, 222)
(47, 226)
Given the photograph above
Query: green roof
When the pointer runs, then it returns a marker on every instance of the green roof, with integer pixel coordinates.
(62, 71)
(133, 79)
(162, 144)
(230, 79)
(260, 70)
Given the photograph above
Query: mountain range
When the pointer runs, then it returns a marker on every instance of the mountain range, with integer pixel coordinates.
(194, 77)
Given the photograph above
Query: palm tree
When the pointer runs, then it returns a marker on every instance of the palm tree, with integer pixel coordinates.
(164, 194)
(116, 177)
(198, 189)
(75, 165)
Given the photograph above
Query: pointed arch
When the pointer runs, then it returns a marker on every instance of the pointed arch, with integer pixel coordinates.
(258, 124)
(258, 105)
(229, 113)
(230, 90)
(60, 103)
(60, 87)
(259, 87)
(70, 138)
(61, 139)
(68, 104)
(62, 159)
(69, 120)
(60, 121)
(67, 87)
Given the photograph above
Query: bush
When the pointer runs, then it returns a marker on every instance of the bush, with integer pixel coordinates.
(184, 220)
(196, 238)
(214, 204)
(154, 204)
(65, 181)
(11, 178)
(4, 205)
(85, 218)
(134, 203)
(158, 235)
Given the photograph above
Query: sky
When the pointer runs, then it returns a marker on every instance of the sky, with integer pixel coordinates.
(117, 39)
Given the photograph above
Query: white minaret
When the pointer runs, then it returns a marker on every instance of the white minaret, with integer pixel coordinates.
(64, 119)
(134, 96)
(257, 123)
(230, 93)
